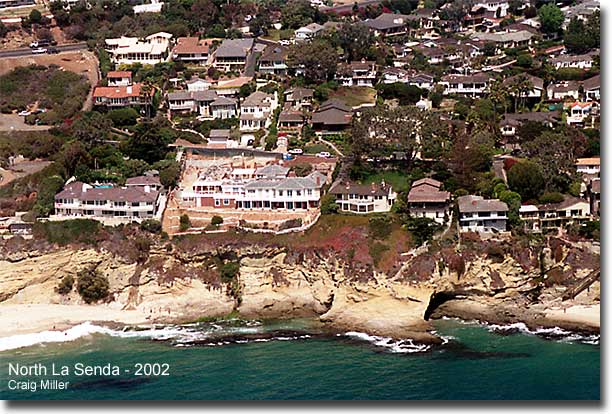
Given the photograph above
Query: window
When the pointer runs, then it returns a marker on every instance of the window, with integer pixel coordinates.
(217, 203)
(309, 192)
(135, 204)
(225, 202)
(289, 193)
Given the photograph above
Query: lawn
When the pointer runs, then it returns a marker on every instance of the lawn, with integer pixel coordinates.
(397, 179)
(316, 148)
(355, 95)
(277, 35)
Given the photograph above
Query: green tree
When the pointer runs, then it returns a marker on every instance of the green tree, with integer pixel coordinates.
(513, 200)
(184, 222)
(216, 220)
(91, 128)
(328, 204)
(355, 39)
(527, 179)
(35, 17)
(169, 174)
(555, 153)
(422, 229)
(92, 285)
(123, 117)
(551, 18)
(45, 198)
(297, 13)
(318, 59)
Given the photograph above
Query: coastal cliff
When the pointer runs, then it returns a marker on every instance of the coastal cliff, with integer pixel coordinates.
(498, 282)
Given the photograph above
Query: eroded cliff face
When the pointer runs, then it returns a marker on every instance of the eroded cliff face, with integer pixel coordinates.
(172, 286)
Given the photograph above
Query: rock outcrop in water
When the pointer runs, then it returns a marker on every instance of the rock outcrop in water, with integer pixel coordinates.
(495, 282)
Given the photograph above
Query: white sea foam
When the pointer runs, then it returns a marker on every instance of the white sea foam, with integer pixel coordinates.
(554, 332)
(71, 334)
(400, 346)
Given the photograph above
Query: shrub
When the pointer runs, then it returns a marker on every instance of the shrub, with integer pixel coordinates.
(92, 286)
(151, 225)
(123, 117)
(216, 220)
(65, 285)
(495, 253)
(380, 227)
(422, 229)
(551, 198)
(376, 251)
(229, 271)
(302, 169)
(590, 230)
(68, 231)
(185, 223)
(143, 246)
(328, 204)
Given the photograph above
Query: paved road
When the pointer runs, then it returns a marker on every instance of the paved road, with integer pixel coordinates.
(26, 51)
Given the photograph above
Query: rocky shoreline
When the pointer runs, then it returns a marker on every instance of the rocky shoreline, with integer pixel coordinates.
(275, 282)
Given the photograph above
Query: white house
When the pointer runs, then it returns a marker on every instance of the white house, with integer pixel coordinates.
(361, 73)
(480, 215)
(128, 50)
(580, 112)
(308, 32)
(575, 61)
(571, 210)
(364, 198)
(131, 203)
(472, 85)
(256, 111)
(119, 78)
(588, 165)
(266, 188)
(499, 7)
(197, 84)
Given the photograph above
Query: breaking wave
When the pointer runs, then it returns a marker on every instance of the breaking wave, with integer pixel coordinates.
(399, 346)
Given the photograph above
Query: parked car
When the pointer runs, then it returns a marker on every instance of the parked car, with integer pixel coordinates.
(52, 50)
(34, 44)
(296, 151)
(24, 113)
(39, 51)
(323, 154)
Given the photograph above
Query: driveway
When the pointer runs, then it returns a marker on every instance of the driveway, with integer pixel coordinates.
(14, 122)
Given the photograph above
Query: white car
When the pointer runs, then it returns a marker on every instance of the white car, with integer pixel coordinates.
(284, 42)
(296, 151)
(39, 51)
(24, 113)
(34, 44)
(323, 154)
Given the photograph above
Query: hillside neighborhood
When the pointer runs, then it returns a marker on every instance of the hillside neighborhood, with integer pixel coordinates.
(466, 116)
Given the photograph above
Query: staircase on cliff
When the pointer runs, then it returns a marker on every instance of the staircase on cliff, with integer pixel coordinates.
(581, 285)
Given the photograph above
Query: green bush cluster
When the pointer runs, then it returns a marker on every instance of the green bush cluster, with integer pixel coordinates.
(92, 285)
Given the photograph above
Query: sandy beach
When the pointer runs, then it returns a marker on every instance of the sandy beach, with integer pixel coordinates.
(586, 315)
(33, 318)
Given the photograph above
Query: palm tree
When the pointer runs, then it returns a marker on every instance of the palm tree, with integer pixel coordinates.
(145, 96)
(523, 87)
(498, 93)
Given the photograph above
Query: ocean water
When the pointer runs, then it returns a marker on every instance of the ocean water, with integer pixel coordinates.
(288, 360)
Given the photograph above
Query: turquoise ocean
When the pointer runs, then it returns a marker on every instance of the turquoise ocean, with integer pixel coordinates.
(290, 360)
